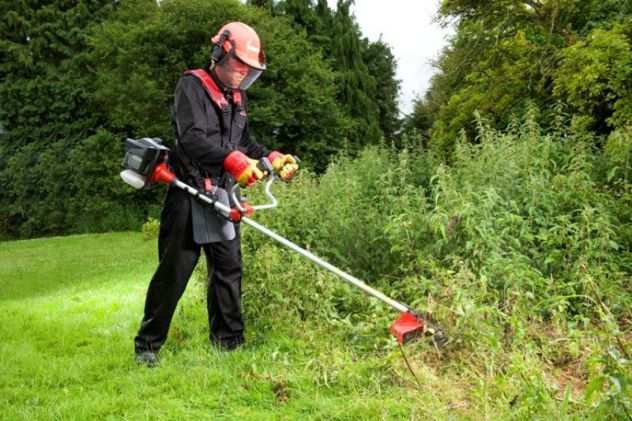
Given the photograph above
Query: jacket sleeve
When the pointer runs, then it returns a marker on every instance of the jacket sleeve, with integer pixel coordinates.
(198, 134)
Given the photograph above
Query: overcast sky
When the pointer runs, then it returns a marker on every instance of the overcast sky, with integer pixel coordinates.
(408, 27)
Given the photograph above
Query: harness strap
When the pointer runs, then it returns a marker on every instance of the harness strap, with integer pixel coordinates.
(212, 89)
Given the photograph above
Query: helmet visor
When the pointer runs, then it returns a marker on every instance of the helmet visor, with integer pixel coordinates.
(236, 74)
(252, 75)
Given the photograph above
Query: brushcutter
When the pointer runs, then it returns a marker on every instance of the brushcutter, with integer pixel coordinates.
(145, 163)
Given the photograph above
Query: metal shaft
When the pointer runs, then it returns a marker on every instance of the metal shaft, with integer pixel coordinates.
(220, 207)
(320, 262)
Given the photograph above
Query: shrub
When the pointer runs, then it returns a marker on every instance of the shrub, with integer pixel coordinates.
(519, 224)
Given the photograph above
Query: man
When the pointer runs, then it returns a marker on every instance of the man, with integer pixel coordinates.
(213, 150)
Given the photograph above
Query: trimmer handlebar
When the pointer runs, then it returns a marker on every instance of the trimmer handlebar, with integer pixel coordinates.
(273, 201)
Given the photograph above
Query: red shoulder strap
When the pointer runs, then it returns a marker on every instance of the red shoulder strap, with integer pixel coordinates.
(212, 89)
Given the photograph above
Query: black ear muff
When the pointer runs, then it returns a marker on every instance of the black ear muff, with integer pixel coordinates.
(218, 53)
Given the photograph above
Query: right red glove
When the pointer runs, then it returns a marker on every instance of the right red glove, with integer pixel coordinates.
(283, 164)
(243, 169)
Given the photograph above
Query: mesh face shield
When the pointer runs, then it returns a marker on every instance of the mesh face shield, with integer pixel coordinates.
(252, 75)
(237, 74)
(234, 73)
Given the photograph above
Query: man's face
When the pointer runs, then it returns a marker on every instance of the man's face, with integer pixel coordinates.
(231, 72)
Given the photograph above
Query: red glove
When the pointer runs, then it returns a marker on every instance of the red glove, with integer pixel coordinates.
(284, 165)
(243, 169)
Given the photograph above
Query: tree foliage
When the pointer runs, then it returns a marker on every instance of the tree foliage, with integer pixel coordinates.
(366, 86)
(292, 107)
(381, 64)
(46, 110)
(507, 54)
(595, 77)
(78, 77)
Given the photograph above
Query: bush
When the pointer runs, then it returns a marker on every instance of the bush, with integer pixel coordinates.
(517, 248)
(517, 231)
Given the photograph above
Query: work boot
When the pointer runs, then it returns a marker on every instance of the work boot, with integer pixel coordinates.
(147, 358)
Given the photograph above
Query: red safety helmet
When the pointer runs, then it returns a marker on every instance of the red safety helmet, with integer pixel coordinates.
(240, 42)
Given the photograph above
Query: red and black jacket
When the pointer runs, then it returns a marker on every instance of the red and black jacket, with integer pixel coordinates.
(210, 122)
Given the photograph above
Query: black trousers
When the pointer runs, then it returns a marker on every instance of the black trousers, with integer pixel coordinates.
(178, 255)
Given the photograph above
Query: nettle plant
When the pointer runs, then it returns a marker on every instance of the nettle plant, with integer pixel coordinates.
(523, 211)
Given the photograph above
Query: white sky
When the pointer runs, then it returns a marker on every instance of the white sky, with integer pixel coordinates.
(407, 27)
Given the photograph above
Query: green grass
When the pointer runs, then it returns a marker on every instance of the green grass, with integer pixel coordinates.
(70, 306)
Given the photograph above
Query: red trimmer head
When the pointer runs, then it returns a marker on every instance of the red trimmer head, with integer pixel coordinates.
(407, 327)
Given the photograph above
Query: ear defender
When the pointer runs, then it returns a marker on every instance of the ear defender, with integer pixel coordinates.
(218, 53)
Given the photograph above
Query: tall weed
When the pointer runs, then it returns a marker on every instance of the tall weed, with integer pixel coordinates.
(520, 247)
